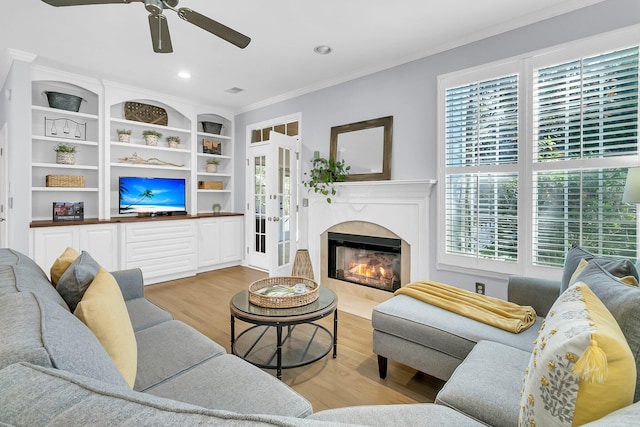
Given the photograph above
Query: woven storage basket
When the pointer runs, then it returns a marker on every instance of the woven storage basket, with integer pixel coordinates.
(295, 300)
(65, 181)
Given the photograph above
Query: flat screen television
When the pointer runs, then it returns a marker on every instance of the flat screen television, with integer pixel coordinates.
(152, 196)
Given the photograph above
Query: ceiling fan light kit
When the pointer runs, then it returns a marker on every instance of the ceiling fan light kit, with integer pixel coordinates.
(158, 26)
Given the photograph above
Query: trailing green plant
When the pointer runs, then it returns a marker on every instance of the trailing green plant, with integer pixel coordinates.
(151, 133)
(324, 174)
(174, 139)
(213, 161)
(124, 131)
(65, 148)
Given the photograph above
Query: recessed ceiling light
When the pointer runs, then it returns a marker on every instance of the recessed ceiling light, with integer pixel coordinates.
(322, 49)
(184, 75)
(234, 89)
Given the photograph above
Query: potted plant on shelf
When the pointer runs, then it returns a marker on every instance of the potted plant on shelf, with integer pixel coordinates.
(324, 174)
(65, 154)
(124, 135)
(173, 141)
(151, 137)
(212, 165)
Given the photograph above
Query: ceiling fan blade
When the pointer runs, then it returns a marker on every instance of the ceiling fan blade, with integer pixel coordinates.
(214, 27)
(84, 2)
(160, 34)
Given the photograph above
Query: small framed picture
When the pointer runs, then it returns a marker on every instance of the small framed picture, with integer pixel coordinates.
(211, 146)
(68, 211)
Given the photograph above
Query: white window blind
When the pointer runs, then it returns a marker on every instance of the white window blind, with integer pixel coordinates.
(587, 110)
(563, 155)
(481, 199)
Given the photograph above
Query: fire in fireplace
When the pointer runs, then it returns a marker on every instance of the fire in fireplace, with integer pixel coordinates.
(365, 260)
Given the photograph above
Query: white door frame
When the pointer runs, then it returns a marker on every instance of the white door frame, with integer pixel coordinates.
(4, 186)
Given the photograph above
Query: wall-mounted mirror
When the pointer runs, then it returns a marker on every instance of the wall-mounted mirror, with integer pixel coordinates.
(366, 147)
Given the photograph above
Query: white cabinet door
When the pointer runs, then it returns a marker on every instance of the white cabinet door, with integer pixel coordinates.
(101, 241)
(220, 241)
(209, 242)
(232, 239)
(50, 242)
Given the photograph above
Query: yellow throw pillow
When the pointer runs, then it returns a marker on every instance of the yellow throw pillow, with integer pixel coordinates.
(103, 310)
(61, 264)
(581, 266)
(581, 368)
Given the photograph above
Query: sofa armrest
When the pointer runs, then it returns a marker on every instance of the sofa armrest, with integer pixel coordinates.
(131, 283)
(538, 293)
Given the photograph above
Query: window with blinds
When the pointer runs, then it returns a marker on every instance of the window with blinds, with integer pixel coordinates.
(481, 199)
(584, 110)
(557, 139)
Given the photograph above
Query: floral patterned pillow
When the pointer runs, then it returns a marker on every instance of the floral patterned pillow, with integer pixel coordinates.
(581, 367)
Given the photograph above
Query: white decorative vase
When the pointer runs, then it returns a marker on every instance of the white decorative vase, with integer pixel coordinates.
(124, 137)
(212, 168)
(151, 140)
(173, 144)
(65, 158)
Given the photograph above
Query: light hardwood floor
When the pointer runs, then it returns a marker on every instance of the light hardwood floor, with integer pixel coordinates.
(350, 379)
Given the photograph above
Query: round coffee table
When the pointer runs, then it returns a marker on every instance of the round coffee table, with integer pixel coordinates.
(303, 342)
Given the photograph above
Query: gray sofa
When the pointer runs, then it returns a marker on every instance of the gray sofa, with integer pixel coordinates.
(54, 371)
(483, 365)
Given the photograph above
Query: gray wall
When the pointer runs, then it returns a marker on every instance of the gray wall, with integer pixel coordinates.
(408, 93)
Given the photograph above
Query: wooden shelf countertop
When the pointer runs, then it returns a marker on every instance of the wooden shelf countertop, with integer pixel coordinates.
(124, 219)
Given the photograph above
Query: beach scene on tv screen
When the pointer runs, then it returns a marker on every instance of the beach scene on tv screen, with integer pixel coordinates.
(151, 195)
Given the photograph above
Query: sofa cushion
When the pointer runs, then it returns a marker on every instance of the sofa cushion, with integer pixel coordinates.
(36, 330)
(144, 313)
(25, 278)
(617, 267)
(405, 415)
(229, 383)
(623, 302)
(64, 399)
(103, 310)
(440, 329)
(61, 264)
(76, 279)
(486, 386)
(581, 368)
(162, 354)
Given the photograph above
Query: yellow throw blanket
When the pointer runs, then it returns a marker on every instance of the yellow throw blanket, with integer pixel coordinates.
(492, 311)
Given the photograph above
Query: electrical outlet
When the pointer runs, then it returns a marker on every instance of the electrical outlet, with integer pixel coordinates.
(480, 288)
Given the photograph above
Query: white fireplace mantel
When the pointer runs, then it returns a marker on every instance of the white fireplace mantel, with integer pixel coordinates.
(400, 206)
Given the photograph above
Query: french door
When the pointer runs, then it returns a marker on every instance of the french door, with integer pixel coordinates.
(272, 193)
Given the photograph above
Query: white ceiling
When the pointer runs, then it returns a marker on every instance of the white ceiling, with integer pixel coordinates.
(112, 41)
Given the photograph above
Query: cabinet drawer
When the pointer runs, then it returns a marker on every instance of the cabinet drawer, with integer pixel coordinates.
(159, 250)
(166, 266)
(159, 231)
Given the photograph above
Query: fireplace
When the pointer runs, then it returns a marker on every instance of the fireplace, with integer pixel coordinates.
(365, 260)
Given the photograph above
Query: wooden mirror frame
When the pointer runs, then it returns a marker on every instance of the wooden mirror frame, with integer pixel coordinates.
(387, 124)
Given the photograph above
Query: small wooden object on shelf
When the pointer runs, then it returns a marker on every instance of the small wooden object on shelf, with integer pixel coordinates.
(210, 185)
(65, 181)
(286, 301)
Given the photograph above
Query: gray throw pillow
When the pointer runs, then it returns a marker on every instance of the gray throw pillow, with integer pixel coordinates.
(623, 301)
(76, 279)
(617, 267)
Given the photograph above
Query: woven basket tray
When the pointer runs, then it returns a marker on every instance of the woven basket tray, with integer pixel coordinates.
(294, 300)
(65, 181)
(145, 113)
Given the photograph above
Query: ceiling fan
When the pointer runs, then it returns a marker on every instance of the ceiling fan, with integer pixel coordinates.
(158, 22)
